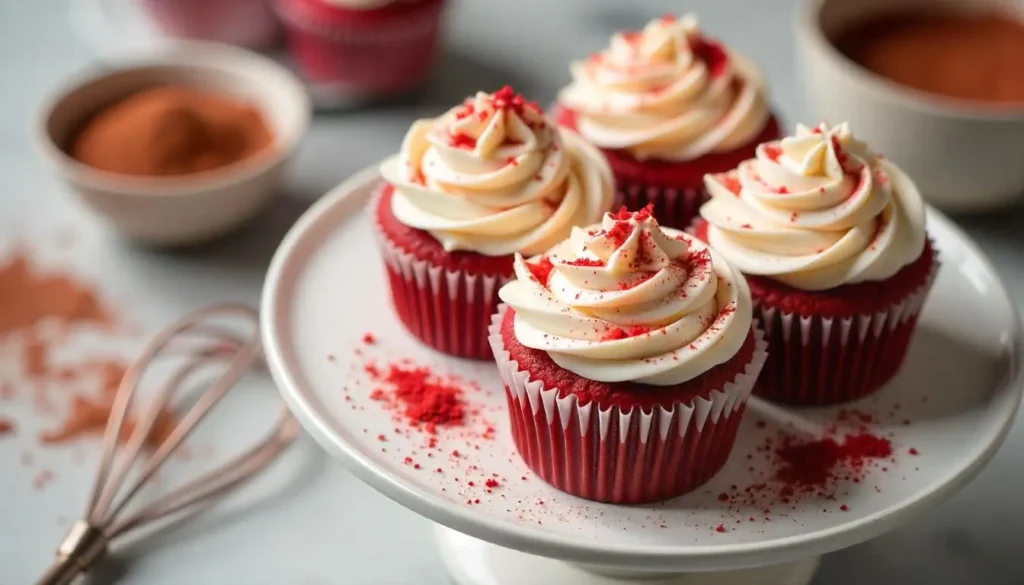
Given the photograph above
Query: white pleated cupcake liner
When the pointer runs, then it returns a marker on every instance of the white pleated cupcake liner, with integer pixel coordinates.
(620, 456)
(830, 360)
(448, 310)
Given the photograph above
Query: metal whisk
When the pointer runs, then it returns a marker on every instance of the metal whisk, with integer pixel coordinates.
(201, 342)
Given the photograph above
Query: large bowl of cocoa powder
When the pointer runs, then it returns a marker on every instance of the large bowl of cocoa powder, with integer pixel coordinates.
(935, 85)
(179, 146)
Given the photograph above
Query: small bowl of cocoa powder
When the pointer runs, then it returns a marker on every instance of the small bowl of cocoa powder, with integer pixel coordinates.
(179, 146)
(935, 85)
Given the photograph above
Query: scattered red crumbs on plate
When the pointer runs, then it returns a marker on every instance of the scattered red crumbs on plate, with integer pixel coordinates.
(913, 451)
(720, 528)
(812, 464)
(369, 339)
(423, 398)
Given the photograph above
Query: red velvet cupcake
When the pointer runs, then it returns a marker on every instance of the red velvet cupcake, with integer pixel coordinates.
(360, 49)
(489, 178)
(668, 105)
(628, 353)
(832, 240)
(249, 23)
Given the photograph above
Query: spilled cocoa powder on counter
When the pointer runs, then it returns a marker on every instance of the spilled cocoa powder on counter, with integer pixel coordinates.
(39, 310)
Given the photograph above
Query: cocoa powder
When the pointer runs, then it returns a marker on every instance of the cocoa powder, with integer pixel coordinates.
(171, 131)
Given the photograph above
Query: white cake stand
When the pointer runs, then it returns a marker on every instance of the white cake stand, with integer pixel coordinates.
(946, 414)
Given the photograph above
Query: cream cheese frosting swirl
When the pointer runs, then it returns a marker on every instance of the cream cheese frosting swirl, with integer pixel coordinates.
(494, 176)
(816, 211)
(667, 92)
(626, 300)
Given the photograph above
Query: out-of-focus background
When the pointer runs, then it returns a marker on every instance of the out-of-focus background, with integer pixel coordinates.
(319, 525)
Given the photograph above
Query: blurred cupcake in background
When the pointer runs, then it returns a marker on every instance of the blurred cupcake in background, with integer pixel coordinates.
(248, 23)
(363, 48)
(666, 105)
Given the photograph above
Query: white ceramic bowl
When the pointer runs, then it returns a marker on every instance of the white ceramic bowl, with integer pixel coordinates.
(175, 211)
(963, 157)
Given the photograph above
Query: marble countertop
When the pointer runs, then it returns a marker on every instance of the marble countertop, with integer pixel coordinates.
(298, 526)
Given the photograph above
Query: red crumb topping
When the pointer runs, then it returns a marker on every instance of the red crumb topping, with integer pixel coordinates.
(467, 110)
(772, 152)
(698, 260)
(541, 269)
(460, 140)
(783, 190)
(622, 214)
(840, 153)
(619, 233)
(747, 226)
(730, 182)
(511, 161)
(635, 283)
(506, 98)
(620, 333)
(369, 339)
(586, 262)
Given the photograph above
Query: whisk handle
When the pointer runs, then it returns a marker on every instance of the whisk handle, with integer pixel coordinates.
(79, 550)
(61, 572)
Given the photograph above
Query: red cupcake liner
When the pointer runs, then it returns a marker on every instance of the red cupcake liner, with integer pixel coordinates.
(249, 23)
(354, 53)
(447, 310)
(824, 360)
(616, 456)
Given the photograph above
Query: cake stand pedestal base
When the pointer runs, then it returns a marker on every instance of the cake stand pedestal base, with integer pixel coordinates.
(474, 562)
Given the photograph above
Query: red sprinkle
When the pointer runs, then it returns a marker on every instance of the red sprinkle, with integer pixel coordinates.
(586, 262)
(913, 451)
(720, 528)
(506, 98)
(541, 270)
(491, 483)
(369, 339)
(772, 152)
(619, 333)
(461, 140)
(844, 507)
(730, 182)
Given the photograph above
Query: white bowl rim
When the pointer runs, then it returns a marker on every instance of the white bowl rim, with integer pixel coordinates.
(175, 55)
(807, 22)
